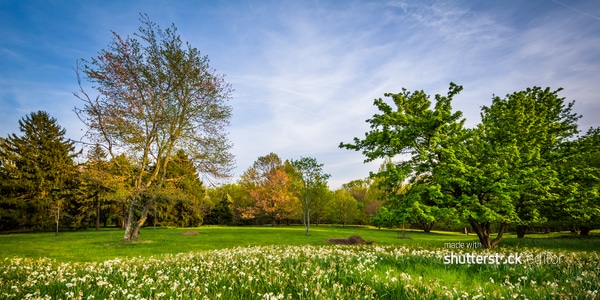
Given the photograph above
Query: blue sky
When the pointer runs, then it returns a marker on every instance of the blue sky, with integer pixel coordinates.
(305, 73)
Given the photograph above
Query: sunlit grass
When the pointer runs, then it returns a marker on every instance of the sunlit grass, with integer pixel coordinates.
(91, 245)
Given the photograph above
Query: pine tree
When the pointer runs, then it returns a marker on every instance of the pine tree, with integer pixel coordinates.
(37, 172)
(181, 198)
(94, 189)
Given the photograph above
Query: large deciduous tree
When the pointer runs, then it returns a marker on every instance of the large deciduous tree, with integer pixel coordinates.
(424, 139)
(343, 207)
(312, 186)
(268, 184)
(523, 137)
(157, 95)
(37, 173)
(580, 174)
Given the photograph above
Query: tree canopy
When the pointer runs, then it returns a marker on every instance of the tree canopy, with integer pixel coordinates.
(313, 184)
(157, 95)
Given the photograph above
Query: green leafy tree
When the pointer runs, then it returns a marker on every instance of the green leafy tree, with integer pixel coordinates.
(424, 140)
(312, 186)
(523, 137)
(157, 95)
(120, 180)
(319, 209)
(580, 175)
(499, 173)
(238, 197)
(386, 218)
(360, 189)
(343, 207)
(37, 174)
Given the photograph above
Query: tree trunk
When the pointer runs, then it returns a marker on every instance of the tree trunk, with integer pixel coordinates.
(124, 219)
(97, 213)
(307, 220)
(483, 231)
(129, 222)
(584, 230)
(426, 226)
(427, 229)
(132, 231)
(521, 229)
(57, 218)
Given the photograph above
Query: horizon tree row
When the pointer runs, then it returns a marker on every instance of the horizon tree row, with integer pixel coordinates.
(45, 184)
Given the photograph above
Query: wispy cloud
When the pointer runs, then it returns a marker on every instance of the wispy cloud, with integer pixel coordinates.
(305, 73)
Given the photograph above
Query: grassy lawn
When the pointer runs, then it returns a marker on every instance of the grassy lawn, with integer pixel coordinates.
(91, 245)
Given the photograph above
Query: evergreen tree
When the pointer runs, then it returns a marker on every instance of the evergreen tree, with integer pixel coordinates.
(37, 173)
(221, 214)
(181, 198)
(96, 188)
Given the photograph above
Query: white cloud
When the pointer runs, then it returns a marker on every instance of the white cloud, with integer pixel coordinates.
(305, 73)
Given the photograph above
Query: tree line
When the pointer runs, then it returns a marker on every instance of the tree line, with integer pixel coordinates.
(47, 185)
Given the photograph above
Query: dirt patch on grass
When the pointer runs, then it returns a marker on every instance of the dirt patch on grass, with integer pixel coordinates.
(353, 240)
(191, 232)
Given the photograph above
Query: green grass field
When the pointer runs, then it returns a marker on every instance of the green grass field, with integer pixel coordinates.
(283, 263)
(91, 245)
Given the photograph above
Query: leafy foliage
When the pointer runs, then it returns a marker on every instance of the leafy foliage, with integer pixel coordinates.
(343, 207)
(268, 183)
(503, 172)
(424, 139)
(312, 186)
(181, 200)
(222, 213)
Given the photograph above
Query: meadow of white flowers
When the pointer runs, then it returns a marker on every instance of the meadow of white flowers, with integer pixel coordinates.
(305, 272)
